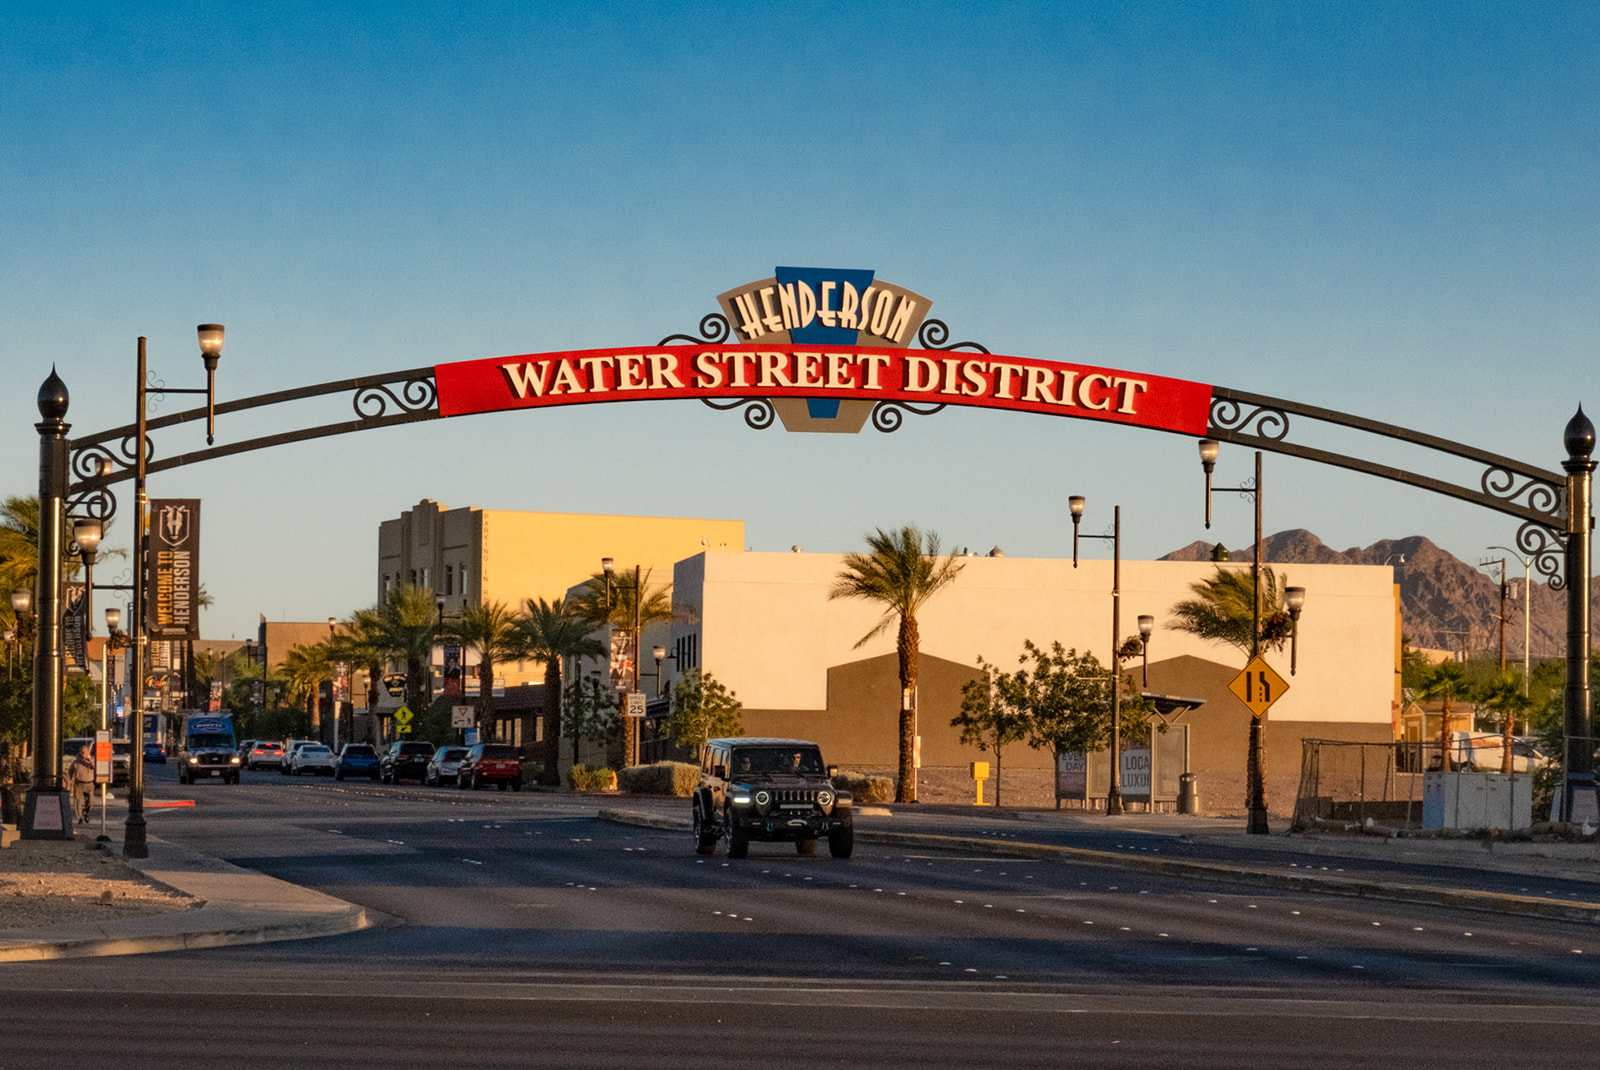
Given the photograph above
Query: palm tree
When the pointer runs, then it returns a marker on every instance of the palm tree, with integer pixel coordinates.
(1504, 695)
(627, 602)
(490, 630)
(1223, 609)
(19, 545)
(304, 669)
(551, 633)
(902, 572)
(1444, 682)
(357, 642)
(405, 627)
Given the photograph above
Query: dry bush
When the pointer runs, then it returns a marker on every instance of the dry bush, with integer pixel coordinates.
(865, 787)
(662, 778)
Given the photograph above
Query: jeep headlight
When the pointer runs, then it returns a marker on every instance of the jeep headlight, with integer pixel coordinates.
(825, 799)
(763, 799)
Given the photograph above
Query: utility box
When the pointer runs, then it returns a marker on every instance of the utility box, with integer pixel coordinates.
(1476, 801)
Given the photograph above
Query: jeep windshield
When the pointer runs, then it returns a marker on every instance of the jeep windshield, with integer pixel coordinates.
(767, 761)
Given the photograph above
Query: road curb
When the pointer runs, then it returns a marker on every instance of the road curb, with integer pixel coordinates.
(26, 948)
(1254, 876)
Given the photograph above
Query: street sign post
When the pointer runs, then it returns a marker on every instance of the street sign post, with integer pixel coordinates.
(1258, 686)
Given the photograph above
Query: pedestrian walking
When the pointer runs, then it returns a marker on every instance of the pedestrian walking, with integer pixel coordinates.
(82, 777)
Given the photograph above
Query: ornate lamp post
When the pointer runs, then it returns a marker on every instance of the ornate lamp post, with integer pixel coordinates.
(1075, 505)
(47, 814)
(1256, 790)
(1147, 624)
(210, 337)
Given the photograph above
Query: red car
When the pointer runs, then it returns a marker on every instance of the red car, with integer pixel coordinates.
(490, 763)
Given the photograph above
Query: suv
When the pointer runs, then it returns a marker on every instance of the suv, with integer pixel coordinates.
(771, 790)
(493, 763)
(404, 760)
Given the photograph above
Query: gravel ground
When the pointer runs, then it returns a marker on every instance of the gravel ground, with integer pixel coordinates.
(56, 882)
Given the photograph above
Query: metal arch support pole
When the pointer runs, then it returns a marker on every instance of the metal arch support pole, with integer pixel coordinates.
(1578, 798)
(134, 843)
(1114, 792)
(44, 794)
(1257, 761)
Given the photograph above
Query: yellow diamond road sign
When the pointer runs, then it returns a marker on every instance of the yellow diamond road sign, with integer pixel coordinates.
(1258, 686)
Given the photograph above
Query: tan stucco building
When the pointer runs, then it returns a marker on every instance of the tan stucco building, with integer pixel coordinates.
(764, 626)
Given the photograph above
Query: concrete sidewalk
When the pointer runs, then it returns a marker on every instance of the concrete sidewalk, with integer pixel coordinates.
(235, 906)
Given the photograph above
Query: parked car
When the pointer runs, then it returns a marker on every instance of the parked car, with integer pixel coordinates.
(490, 763)
(312, 758)
(356, 759)
(443, 766)
(404, 760)
(288, 753)
(244, 750)
(264, 752)
(122, 760)
(155, 753)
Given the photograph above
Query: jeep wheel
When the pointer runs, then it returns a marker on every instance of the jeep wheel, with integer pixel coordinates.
(738, 838)
(806, 848)
(704, 842)
(841, 842)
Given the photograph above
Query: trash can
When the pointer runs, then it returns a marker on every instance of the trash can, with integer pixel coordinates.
(1188, 794)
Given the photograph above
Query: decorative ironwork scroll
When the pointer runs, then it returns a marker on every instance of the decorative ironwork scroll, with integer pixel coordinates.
(886, 415)
(758, 412)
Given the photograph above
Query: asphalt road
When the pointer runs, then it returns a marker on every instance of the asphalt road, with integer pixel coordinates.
(526, 932)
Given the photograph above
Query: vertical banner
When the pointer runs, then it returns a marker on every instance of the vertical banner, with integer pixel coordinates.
(173, 592)
(621, 661)
(214, 703)
(452, 672)
(74, 597)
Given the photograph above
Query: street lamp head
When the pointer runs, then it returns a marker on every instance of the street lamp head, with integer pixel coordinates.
(607, 565)
(1295, 599)
(22, 600)
(113, 617)
(333, 622)
(1147, 624)
(1075, 503)
(87, 534)
(210, 343)
(659, 653)
(1208, 453)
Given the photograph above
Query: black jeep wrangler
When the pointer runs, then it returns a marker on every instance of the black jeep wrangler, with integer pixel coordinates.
(769, 789)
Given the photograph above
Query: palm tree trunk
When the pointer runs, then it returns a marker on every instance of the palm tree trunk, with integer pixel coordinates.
(485, 692)
(907, 650)
(1444, 735)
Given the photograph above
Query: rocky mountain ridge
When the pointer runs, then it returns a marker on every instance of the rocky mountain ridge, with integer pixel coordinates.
(1445, 602)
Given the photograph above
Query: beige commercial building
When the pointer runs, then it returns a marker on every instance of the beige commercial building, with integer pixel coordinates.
(764, 626)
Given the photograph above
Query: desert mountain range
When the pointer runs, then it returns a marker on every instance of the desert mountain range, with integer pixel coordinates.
(1446, 603)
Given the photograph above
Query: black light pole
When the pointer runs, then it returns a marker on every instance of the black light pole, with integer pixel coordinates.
(1578, 799)
(210, 336)
(1295, 599)
(46, 815)
(1255, 769)
(1075, 504)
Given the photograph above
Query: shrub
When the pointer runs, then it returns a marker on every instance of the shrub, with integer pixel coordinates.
(662, 778)
(532, 773)
(865, 787)
(592, 778)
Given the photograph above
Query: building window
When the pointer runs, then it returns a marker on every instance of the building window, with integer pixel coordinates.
(538, 729)
(449, 579)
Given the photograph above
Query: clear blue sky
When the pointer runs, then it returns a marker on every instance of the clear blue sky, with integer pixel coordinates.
(1386, 209)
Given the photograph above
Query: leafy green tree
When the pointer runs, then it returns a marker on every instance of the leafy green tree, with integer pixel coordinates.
(987, 719)
(703, 708)
(588, 712)
(1223, 609)
(901, 571)
(1445, 683)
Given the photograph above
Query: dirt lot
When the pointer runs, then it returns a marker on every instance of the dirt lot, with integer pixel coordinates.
(57, 882)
